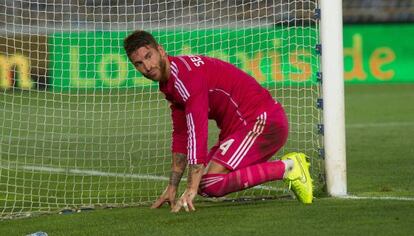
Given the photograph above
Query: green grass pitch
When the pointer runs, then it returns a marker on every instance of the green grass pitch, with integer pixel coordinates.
(380, 163)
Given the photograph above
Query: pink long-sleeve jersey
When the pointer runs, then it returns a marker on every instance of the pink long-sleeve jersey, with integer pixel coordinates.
(201, 88)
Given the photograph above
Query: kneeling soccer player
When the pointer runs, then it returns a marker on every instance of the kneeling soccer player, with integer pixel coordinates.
(253, 126)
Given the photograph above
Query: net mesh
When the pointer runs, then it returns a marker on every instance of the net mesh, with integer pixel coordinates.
(81, 128)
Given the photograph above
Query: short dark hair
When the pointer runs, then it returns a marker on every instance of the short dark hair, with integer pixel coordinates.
(137, 39)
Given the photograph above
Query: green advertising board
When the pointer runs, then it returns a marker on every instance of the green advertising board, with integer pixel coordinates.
(88, 60)
(378, 53)
(372, 54)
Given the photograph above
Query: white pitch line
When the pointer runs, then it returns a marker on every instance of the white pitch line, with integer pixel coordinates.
(54, 137)
(93, 173)
(378, 198)
(106, 174)
(378, 125)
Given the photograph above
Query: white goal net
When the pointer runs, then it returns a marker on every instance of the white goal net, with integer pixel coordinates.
(81, 128)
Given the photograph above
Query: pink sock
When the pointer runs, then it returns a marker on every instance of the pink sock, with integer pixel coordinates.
(217, 185)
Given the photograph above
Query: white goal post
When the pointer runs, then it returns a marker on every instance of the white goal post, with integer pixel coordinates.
(333, 94)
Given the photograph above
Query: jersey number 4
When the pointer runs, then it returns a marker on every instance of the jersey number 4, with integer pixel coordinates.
(225, 146)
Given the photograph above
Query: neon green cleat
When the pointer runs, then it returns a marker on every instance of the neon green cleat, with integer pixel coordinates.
(298, 178)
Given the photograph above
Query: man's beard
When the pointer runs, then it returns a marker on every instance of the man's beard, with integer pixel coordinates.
(163, 72)
(163, 66)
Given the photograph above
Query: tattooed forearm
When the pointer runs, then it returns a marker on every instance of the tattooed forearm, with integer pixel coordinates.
(179, 162)
(195, 170)
(175, 178)
(194, 175)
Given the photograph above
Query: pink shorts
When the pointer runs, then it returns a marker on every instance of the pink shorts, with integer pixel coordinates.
(255, 143)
